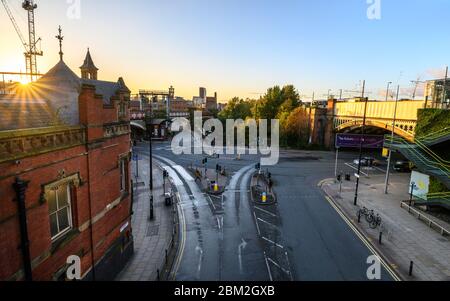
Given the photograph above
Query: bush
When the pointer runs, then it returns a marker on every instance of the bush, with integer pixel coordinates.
(431, 120)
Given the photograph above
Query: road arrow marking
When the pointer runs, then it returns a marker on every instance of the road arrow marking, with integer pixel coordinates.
(199, 251)
(241, 247)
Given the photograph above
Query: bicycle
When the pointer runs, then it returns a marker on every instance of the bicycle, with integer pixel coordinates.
(363, 211)
(370, 216)
(376, 222)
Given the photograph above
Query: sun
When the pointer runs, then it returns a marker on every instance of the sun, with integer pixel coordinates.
(24, 81)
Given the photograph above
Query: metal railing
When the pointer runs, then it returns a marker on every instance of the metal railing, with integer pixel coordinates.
(432, 224)
(430, 138)
(418, 151)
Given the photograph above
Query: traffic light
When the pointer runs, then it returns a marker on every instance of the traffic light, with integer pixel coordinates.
(205, 161)
(165, 173)
(258, 166)
(217, 167)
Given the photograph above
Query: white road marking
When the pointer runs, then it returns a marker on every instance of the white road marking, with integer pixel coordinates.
(268, 267)
(351, 166)
(267, 223)
(256, 221)
(241, 247)
(265, 211)
(272, 242)
(200, 260)
(278, 266)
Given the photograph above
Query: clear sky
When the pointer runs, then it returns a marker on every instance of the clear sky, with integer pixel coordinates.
(240, 47)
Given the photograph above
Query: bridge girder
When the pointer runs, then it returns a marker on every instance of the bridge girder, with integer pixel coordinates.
(404, 129)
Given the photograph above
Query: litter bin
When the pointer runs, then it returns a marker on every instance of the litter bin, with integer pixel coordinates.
(347, 177)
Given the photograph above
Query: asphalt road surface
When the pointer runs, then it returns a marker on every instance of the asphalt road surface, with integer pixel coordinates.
(221, 239)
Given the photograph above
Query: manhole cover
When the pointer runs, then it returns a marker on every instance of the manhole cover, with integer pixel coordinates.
(152, 231)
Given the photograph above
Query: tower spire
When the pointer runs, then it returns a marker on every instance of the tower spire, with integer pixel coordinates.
(60, 38)
(88, 69)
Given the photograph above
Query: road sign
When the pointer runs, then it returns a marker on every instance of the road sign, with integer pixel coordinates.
(420, 184)
(354, 140)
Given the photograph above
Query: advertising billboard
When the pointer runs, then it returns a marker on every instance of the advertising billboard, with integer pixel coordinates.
(420, 183)
(354, 140)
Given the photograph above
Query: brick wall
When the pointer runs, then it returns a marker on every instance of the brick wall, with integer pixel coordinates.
(98, 195)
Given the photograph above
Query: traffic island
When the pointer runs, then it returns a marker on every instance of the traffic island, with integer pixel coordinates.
(210, 181)
(261, 189)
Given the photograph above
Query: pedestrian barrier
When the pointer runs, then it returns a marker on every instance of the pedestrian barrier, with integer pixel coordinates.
(422, 217)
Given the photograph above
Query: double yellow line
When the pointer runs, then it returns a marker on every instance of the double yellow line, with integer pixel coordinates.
(364, 240)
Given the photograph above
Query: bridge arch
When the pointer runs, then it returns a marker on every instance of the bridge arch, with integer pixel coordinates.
(403, 130)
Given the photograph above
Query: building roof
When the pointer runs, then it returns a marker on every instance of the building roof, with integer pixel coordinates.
(60, 75)
(88, 62)
(51, 100)
(19, 112)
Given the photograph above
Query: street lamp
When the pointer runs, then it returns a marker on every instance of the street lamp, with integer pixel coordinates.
(148, 120)
(366, 100)
(392, 141)
(387, 90)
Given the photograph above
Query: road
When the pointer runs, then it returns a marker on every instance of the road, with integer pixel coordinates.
(221, 239)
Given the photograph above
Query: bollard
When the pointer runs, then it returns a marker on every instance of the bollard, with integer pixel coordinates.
(264, 197)
(359, 216)
(411, 267)
(380, 239)
(166, 257)
(151, 208)
(157, 275)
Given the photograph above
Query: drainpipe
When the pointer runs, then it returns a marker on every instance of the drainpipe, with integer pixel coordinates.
(20, 187)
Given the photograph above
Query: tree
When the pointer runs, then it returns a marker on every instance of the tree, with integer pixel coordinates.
(236, 109)
(295, 128)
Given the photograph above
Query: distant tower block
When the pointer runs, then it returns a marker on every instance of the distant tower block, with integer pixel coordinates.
(88, 70)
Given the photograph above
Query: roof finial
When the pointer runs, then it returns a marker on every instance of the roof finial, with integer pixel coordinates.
(60, 38)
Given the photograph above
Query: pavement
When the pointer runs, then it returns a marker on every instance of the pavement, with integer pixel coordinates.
(405, 237)
(151, 238)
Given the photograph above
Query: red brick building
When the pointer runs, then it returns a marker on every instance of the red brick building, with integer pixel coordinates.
(65, 176)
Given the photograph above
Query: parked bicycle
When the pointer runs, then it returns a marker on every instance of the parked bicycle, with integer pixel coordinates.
(370, 217)
(375, 222)
(363, 211)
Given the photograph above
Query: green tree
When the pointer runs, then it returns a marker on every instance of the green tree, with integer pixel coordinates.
(236, 109)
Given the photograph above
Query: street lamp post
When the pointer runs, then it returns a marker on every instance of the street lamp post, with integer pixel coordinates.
(387, 90)
(149, 130)
(411, 195)
(392, 140)
(361, 144)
